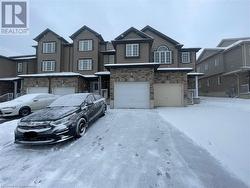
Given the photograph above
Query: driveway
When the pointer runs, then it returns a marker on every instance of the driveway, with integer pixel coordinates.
(126, 148)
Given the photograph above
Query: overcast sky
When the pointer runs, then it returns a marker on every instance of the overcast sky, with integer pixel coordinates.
(194, 23)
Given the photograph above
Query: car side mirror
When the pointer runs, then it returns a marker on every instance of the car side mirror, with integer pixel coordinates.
(35, 100)
(89, 103)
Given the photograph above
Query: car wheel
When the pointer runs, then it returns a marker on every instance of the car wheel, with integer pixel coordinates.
(103, 111)
(24, 111)
(81, 128)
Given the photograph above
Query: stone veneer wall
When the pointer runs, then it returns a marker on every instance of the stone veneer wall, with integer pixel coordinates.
(173, 78)
(131, 75)
(79, 83)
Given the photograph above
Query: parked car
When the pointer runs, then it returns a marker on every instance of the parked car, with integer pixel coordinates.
(26, 104)
(65, 118)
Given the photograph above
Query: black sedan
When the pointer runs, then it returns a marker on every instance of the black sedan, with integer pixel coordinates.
(65, 118)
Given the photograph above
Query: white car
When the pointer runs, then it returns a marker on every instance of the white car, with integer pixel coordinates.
(26, 104)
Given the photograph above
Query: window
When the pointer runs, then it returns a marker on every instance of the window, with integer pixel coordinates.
(85, 45)
(206, 66)
(208, 82)
(48, 65)
(132, 50)
(85, 64)
(185, 57)
(109, 59)
(19, 67)
(49, 47)
(216, 62)
(163, 55)
(219, 80)
(198, 69)
(90, 99)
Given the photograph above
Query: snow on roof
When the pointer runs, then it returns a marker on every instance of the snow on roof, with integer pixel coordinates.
(130, 64)
(10, 79)
(195, 73)
(90, 76)
(103, 73)
(175, 69)
(23, 58)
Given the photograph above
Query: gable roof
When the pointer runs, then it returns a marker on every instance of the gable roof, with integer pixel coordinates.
(160, 34)
(37, 38)
(229, 41)
(208, 52)
(132, 29)
(88, 29)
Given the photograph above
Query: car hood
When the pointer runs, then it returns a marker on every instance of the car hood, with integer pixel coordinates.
(10, 104)
(50, 114)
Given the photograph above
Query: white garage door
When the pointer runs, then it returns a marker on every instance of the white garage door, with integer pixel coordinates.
(63, 90)
(131, 95)
(168, 94)
(37, 90)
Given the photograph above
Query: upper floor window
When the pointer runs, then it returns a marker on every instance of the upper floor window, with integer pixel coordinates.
(49, 47)
(206, 66)
(132, 50)
(85, 64)
(48, 66)
(109, 59)
(216, 62)
(185, 57)
(85, 45)
(19, 67)
(163, 55)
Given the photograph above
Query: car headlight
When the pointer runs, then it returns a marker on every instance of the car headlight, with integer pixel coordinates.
(21, 124)
(9, 108)
(64, 121)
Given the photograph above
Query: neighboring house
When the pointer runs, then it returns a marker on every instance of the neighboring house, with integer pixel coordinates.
(56, 55)
(150, 70)
(11, 67)
(138, 69)
(226, 69)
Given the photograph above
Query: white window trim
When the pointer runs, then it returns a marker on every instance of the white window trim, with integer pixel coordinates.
(81, 45)
(19, 67)
(89, 65)
(46, 67)
(183, 60)
(165, 52)
(132, 52)
(46, 49)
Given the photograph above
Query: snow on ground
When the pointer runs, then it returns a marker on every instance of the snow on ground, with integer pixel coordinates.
(126, 148)
(221, 126)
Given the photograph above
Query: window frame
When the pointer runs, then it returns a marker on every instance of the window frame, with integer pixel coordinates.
(45, 50)
(219, 81)
(166, 57)
(188, 57)
(19, 67)
(132, 46)
(81, 67)
(81, 47)
(45, 68)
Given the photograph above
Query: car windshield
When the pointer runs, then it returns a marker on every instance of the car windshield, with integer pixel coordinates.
(70, 100)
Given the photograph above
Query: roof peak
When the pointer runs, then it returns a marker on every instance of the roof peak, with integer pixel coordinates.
(84, 27)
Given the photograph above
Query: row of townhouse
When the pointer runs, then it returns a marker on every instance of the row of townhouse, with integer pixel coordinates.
(138, 69)
(226, 69)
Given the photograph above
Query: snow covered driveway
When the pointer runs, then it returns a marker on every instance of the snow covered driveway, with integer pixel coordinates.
(124, 149)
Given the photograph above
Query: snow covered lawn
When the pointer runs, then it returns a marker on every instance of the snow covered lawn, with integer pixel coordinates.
(221, 126)
(124, 149)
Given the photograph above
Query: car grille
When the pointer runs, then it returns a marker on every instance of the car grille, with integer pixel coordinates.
(36, 125)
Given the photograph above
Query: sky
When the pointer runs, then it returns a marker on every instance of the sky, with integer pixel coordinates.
(194, 23)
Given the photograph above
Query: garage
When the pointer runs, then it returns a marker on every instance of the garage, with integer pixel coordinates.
(131, 95)
(168, 95)
(37, 90)
(63, 90)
